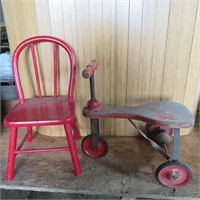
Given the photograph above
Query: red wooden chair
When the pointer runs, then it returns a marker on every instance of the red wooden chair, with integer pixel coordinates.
(43, 110)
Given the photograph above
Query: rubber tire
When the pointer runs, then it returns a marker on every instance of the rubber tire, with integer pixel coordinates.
(165, 181)
(98, 153)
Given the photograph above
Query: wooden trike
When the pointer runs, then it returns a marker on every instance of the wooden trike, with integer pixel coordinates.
(163, 119)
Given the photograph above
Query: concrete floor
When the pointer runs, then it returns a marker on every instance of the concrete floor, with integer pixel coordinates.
(127, 171)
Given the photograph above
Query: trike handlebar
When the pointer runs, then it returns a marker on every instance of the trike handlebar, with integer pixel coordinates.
(90, 68)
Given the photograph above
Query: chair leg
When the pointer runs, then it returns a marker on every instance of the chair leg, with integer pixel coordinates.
(76, 130)
(73, 151)
(30, 134)
(11, 153)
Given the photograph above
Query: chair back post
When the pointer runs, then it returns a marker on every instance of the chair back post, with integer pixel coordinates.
(57, 42)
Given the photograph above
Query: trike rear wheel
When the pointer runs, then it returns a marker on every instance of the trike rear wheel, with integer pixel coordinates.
(100, 151)
(173, 174)
(159, 134)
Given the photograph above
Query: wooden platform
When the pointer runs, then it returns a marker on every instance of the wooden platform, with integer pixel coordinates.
(128, 169)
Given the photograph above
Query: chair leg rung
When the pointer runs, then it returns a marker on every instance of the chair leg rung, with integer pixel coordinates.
(23, 151)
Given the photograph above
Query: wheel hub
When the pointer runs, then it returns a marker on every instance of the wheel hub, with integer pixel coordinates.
(174, 174)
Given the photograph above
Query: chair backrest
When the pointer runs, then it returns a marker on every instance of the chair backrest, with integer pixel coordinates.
(57, 44)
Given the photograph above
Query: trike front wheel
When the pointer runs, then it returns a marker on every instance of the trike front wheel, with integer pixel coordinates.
(98, 152)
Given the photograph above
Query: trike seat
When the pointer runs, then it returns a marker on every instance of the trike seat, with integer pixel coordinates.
(171, 114)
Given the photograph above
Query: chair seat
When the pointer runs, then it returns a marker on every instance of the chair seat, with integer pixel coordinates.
(37, 112)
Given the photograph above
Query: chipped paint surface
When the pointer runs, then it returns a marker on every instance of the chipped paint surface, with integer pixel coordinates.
(174, 115)
(162, 114)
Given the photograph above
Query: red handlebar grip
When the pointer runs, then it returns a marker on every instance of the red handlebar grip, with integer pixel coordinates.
(88, 72)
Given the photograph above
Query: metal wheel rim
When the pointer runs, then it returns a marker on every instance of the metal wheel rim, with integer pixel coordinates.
(173, 174)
